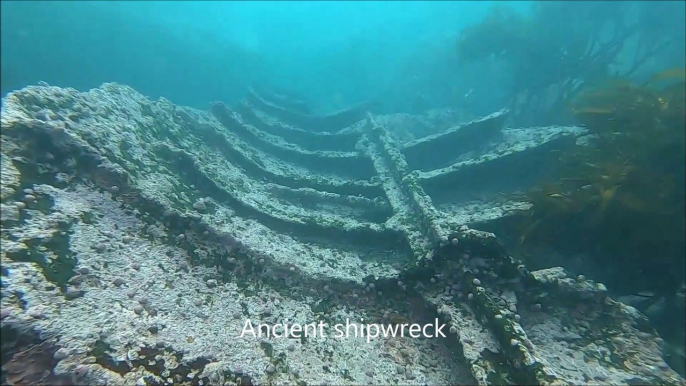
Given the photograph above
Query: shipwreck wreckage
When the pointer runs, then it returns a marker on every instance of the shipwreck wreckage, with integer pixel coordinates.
(138, 236)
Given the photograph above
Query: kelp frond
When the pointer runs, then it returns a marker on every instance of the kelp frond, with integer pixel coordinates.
(633, 166)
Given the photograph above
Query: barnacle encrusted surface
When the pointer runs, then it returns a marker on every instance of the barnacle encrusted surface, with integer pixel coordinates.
(139, 236)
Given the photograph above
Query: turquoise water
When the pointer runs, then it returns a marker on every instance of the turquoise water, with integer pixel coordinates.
(196, 52)
(501, 183)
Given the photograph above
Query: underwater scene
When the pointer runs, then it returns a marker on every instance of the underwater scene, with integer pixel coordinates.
(343, 193)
